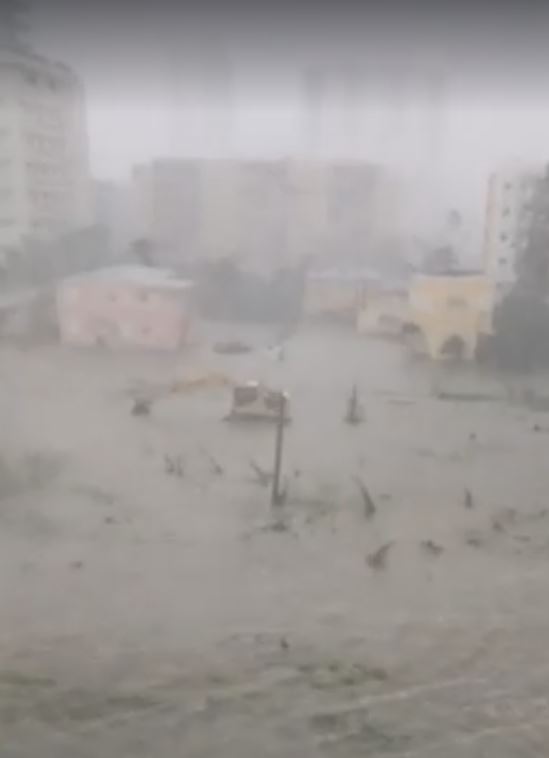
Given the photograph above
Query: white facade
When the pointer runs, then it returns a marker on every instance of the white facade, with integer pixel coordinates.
(509, 193)
(44, 176)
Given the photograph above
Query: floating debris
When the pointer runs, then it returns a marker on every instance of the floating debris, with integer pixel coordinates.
(370, 509)
(468, 397)
(378, 559)
(284, 644)
(432, 547)
(277, 526)
(542, 513)
(216, 468)
(497, 525)
(354, 414)
(173, 466)
(141, 406)
(232, 347)
(474, 539)
(264, 478)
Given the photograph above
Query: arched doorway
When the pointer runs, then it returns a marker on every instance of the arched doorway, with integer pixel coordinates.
(454, 348)
(414, 338)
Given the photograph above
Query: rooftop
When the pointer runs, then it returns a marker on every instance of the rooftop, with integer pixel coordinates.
(453, 273)
(139, 275)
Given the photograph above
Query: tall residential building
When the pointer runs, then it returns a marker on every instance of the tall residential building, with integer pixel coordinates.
(44, 177)
(510, 194)
(166, 200)
(264, 214)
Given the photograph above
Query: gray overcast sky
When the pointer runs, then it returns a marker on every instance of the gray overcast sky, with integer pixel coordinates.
(160, 83)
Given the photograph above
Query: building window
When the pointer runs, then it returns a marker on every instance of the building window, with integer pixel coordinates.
(503, 237)
(502, 261)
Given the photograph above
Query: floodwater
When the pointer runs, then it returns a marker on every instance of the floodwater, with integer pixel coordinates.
(152, 612)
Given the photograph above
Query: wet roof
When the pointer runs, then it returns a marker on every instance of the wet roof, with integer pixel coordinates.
(452, 272)
(344, 274)
(139, 275)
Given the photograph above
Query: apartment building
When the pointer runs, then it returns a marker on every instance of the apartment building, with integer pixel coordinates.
(44, 178)
(165, 195)
(510, 194)
(263, 214)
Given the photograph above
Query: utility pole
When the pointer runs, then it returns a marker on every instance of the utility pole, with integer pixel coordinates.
(277, 495)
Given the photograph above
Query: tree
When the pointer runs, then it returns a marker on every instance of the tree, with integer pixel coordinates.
(440, 261)
(533, 260)
(143, 250)
(521, 331)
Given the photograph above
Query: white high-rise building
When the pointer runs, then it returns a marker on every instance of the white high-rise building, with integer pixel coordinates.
(45, 188)
(510, 191)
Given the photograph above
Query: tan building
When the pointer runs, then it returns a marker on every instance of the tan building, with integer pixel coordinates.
(264, 214)
(452, 312)
(44, 177)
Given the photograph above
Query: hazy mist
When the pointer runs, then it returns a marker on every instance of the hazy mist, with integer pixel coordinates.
(444, 95)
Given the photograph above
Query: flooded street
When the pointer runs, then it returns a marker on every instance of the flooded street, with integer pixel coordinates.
(146, 613)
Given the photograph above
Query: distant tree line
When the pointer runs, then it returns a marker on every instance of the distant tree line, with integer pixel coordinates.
(40, 262)
(226, 292)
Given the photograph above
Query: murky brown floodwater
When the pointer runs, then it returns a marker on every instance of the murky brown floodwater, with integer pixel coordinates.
(150, 614)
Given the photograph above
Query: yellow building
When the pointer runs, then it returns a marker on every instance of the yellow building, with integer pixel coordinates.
(452, 311)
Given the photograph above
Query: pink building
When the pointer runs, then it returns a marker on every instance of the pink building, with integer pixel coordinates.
(125, 306)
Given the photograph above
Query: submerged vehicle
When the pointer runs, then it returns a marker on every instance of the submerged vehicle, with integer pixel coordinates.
(255, 401)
